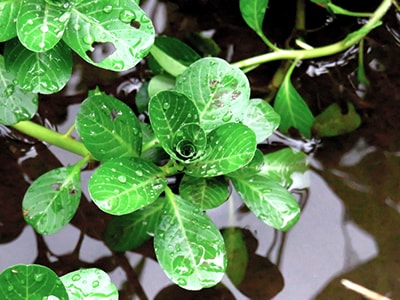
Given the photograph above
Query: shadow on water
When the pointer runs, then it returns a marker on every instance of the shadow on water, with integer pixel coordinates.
(350, 225)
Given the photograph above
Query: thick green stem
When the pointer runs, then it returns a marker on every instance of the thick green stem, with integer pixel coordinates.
(52, 137)
(350, 40)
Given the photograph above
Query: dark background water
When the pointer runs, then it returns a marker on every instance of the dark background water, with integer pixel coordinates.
(350, 225)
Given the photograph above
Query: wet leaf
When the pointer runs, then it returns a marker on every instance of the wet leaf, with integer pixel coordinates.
(108, 128)
(206, 193)
(232, 146)
(130, 231)
(253, 12)
(114, 36)
(52, 200)
(261, 118)
(45, 72)
(333, 121)
(31, 282)
(40, 26)
(173, 55)
(252, 168)
(189, 143)
(89, 284)
(269, 201)
(15, 104)
(283, 166)
(237, 254)
(188, 245)
(161, 82)
(292, 108)
(8, 15)
(168, 111)
(218, 90)
(121, 186)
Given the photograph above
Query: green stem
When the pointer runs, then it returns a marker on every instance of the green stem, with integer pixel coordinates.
(171, 168)
(150, 144)
(52, 137)
(350, 40)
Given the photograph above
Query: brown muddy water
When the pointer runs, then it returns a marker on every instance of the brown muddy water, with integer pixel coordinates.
(350, 222)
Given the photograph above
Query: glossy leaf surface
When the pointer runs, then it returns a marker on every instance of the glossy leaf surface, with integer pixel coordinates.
(190, 143)
(121, 186)
(232, 146)
(261, 118)
(121, 29)
(108, 128)
(21, 282)
(269, 201)
(40, 26)
(45, 72)
(161, 82)
(251, 169)
(293, 109)
(188, 245)
(15, 104)
(168, 111)
(8, 16)
(284, 165)
(253, 12)
(206, 193)
(173, 55)
(333, 121)
(89, 284)
(52, 200)
(129, 231)
(218, 90)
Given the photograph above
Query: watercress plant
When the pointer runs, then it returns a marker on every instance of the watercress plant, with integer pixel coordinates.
(199, 140)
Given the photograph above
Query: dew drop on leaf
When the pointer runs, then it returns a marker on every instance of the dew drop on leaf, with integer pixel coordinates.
(139, 173)
(38, 277)
(107, 9)
(181, 281)
(126, 16)
(165, 105)
(9, 90)
(122, 179)
(10, 288)
(95, 284)
(76, 277)
(44, 28)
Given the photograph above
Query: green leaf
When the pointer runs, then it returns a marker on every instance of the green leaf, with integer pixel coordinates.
(206, 193)
(219, 91)
(45, 72)
(253, 12)
(333, 121)
(237, 254)
(251, 169)
(108, 128)
(89, 284)
(168, 111)
(52, 200)
(292, 108)
(121, 28)
(15, 104)
(270, 202)
(8, 15)
(161, 82)
(121, 186)
(40, 26)
(129, 231)
(232, 146)
(189, 143)
(21, 282)
(173, 55)
(188, 245)
(261, 118)
(283, 166)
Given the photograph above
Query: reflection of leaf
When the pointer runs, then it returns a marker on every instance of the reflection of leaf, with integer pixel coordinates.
(175, 292)
(188, 245)
(21, 282)
(292, 108)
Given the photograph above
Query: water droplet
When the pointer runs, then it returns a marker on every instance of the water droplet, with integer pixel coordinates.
(38, 277)
(76, 27)
(166, 105)
(227, 117)
(41, 44)
(122, 178)
(10, 288)
(9, 90)
(107, 9)
(44, 28)
(88, 39)
(30, 22)
(127, 16)
(181, 282)
(139, 173)
(118, 65)
(95, 284)
(76, 277)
